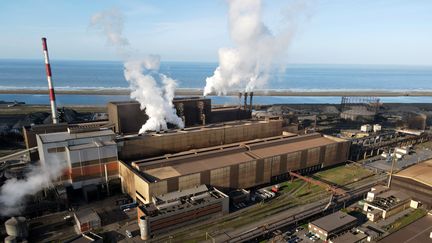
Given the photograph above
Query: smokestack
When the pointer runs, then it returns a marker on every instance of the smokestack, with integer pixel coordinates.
(50, 83)
(245, 100)
(240, 96)
(250, 101)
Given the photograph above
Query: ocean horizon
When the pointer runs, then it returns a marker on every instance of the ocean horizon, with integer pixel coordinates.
(76, 75)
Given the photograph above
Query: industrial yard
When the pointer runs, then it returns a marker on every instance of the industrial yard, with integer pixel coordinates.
(237, 173)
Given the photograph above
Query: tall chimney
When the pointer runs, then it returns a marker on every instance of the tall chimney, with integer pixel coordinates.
(240, 102)
(50, 83)
(245, 100)
(250, 101)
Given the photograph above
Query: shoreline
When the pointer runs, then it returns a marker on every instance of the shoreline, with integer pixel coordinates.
(199, 92)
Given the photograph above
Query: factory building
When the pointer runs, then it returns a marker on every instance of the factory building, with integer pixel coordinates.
(415, 181)
(89, 157)
(242, 165)
(155, 144)
(176, 209)
(128, 117)
(30, 132)
(332, 224)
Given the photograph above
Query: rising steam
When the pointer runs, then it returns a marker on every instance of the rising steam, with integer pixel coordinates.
(14, 191)
(153, 90)
(248, 65)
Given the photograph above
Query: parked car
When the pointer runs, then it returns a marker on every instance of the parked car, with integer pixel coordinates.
(299, 229)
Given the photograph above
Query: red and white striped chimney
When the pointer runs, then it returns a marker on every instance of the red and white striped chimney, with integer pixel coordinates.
(50, 83)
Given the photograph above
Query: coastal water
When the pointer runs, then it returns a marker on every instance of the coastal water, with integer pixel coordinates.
(30, 74)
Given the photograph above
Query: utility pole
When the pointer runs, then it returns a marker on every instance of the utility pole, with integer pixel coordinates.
(392, 167)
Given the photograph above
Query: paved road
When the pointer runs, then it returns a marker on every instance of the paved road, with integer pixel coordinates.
(416, 232)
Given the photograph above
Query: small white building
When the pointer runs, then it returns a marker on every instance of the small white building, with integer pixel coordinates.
(377, 128)
(366, 128)
(376, 190)
(403, 150)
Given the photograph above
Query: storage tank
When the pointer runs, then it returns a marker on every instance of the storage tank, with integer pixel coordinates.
(10, 239)
(144, 228)
(17, 227)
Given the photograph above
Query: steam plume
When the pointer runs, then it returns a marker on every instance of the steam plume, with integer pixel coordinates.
(249, 64)
(14, 191)
(153, 90)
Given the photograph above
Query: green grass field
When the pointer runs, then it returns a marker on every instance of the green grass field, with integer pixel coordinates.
(407, 219)
(344, 174)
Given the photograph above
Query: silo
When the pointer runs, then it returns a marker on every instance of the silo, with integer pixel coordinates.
(10, 239)
(17, 227)
(11, 226)
(144, 228)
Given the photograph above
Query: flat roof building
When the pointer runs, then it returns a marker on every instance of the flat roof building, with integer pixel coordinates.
(239, 165)
(386, 204)
(176, 209)
(329, 226)
(134, 147)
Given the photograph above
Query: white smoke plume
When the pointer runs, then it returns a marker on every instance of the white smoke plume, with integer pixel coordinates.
(14, 191)
(153, 90)
(248, 65)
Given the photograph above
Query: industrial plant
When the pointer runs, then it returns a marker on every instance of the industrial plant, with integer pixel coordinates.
(177, 178)
(243, 172)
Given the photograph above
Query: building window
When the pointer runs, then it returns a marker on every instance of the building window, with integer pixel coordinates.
(56, 150)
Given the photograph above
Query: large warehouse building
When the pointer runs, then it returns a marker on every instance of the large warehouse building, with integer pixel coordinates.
(155, 144)
(416, 181)
(241, 165)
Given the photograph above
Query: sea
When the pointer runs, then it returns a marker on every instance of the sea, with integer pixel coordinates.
(75, 75)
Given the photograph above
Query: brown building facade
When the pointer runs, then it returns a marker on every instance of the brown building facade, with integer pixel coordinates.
(128, 117)
(156, 144)
(244, 165)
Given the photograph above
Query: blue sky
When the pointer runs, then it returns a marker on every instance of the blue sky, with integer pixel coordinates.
(337, 31)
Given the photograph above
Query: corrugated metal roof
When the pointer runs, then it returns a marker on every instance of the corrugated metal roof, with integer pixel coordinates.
(193, 163)
(197, 165)
(63, 136)
(292, 147)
